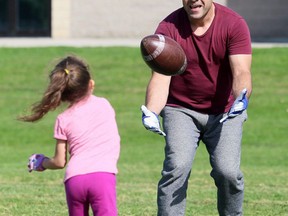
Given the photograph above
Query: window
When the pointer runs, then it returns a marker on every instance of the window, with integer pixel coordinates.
(25, 18)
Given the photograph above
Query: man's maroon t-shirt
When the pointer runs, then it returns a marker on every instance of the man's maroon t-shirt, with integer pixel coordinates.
(206, 85)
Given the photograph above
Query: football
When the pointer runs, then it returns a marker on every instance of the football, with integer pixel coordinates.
(163, 54)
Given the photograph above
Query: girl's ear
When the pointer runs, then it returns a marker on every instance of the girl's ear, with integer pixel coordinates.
(91, 85)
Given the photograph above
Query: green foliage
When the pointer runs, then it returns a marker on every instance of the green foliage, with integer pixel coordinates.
(121, 76)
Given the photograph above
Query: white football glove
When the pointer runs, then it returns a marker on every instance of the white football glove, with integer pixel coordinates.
(150, 121)
(239, 105)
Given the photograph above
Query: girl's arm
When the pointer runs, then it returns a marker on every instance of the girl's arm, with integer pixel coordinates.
(60, 157)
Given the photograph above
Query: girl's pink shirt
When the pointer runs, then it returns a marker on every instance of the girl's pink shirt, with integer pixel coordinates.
(91, 132)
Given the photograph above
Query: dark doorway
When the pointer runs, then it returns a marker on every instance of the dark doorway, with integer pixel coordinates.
(25, 18)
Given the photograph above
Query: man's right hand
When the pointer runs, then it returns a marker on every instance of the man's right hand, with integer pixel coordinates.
(150, 121)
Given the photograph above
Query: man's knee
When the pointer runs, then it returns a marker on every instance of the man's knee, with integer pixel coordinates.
(229, 177)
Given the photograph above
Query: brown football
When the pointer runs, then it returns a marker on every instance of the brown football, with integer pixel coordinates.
(163, 54)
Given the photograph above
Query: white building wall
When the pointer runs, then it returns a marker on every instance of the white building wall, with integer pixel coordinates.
(109, 19)
(118, 18)
(61, 21)
(267, 20)
(137, 18)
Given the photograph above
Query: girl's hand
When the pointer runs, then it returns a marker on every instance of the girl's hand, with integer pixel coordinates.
(35, 162)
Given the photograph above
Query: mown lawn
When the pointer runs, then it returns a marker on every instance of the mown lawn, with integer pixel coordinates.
(121, 76)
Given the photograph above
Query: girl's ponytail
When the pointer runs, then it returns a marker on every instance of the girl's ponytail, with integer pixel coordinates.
(69, 82)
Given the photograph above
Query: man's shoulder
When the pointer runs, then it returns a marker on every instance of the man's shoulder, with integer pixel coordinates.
(226, 12)
(228, 19)
(175, 15)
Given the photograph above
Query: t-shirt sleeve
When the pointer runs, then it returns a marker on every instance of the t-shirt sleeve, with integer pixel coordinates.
(239, 39)
(59, 132)
(162, 29)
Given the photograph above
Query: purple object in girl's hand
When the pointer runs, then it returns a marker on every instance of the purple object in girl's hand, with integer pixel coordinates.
(35, 162)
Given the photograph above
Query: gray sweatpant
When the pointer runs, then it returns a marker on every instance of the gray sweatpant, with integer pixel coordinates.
(185, 128)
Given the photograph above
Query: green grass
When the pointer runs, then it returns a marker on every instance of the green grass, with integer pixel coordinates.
(121, 76)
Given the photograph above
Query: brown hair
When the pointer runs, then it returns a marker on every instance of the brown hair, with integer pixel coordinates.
(69, 82)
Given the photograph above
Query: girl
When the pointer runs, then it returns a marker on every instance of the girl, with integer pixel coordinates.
(87, 129)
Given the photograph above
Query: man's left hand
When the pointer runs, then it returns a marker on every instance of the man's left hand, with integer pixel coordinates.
(239, 105)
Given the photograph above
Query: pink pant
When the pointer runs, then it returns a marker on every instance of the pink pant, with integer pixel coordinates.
(96, 189)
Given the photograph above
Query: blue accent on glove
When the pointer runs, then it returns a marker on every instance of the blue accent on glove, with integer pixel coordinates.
(239, 105)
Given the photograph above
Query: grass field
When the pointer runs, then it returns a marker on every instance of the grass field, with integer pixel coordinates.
(121, 76)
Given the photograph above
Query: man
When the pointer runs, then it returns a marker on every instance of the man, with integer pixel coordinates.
(207, 102)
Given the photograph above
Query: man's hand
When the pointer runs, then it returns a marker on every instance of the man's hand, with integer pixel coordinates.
(239, 105)
(35, 162)
(150, 121)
